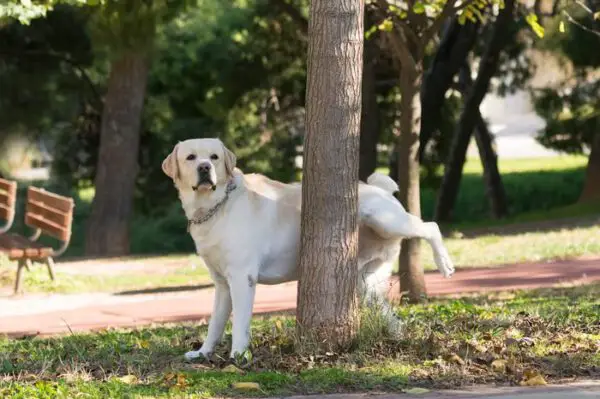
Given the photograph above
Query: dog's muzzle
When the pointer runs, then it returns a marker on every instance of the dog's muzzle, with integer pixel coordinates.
(205, 177)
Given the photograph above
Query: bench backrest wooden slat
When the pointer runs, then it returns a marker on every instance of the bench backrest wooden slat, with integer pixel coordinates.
(8, 199)
(49, 212)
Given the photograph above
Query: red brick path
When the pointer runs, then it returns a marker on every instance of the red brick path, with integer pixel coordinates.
(196, 305)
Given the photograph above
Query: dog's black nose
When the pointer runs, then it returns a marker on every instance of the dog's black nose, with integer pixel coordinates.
(204, 167)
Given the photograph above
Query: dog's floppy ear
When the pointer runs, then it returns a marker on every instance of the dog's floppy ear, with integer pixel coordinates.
(170, 166)
(230, 160)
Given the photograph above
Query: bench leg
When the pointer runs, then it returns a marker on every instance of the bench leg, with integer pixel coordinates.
(20, 267)
(28, 264)
(50, 265)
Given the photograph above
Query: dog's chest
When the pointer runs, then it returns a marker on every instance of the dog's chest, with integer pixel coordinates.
(209, 249)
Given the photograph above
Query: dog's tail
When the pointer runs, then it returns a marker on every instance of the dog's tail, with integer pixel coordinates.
(384, 182)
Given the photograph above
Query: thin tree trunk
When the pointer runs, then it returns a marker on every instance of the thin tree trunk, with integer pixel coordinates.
(468, 119)
(369, 121)
(108, 225)
(412, 278)
(327, 302)
(591, 187)
(494, 187)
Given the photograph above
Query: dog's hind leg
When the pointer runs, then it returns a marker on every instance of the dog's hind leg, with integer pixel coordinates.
(389, 220)
(373, 286)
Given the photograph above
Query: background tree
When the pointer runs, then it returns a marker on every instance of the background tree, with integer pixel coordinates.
(470, 115)
(128, 29)
(327, 303)
(409, 29)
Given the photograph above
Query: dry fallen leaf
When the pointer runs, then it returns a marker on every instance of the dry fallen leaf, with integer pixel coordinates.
(499, 366)
(246, 386)
(454, 358)
(169, 377)
(181, 381)
(532, 379)
(416, 391)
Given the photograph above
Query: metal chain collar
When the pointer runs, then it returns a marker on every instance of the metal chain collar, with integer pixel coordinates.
(212, 211)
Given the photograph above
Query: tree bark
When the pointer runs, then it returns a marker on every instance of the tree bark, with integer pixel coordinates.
(412, 278)
(369, 120)
(456, 43)
(591, 187)
(327, 303)
(494, 187)
(460, 142)
(108, 225)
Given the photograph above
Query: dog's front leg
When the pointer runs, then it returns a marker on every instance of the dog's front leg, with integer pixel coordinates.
(243, 289)
(218, 320)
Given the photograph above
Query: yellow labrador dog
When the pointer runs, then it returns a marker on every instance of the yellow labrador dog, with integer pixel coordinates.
(247, 230)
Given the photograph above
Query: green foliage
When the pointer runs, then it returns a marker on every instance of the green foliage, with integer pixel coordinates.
(41, 69)
(423, 14)
(572, 116)
(131, 25)
(25, 11)
(532, 20)
(571, 109)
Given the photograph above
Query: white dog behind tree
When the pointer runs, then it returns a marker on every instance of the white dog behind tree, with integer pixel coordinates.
(247, 230)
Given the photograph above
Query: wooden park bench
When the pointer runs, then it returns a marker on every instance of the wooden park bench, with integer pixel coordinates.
(8, 201)
(49, 214)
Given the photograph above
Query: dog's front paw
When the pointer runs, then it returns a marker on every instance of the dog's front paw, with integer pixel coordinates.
(196, 356)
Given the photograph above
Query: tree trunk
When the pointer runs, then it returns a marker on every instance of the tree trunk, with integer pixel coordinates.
(327, 303)
(412, 278)
(369, 120)
(491, 175)
(468, 118)
(108, 225)
(494, 187)
(456, 43)
(591, 188)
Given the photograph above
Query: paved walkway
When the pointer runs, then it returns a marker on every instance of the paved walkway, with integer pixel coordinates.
(577, 390)
(46, 315)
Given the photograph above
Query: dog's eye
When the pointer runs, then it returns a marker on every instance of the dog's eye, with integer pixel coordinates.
(191, 157)
(214, 157)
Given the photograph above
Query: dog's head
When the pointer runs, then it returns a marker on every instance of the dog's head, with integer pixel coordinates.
(199, 165)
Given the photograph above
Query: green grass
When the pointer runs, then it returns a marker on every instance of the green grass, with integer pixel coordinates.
(496, 250)
(532, 185)
(579, 211)
(501, 338)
